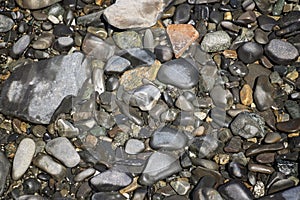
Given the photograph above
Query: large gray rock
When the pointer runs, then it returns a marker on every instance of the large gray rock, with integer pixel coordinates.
(4, 170)
(33, 92)
(126, 14)
(159, 166)
(6, 23)
(35, 4)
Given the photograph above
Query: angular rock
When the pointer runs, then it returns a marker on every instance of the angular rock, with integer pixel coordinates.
(181, 37)
(180, 73)
(116, 64)
(34, 91)
(168, 138)
(110, 180)
(36, 4)
(281, 52)
(247, 125)
(127, 14)
(62, 149)
(216, 41)
(146, 96)
(6, 23)
(50, 166)
(138, 57)
(263, 93)
(23, 158)
(4, 171)
(159, 166)
(204, 146)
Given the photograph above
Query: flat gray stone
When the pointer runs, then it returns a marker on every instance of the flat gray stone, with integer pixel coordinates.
(6, 23)
(4, 171)
(111, 180)
(34, 91)
(180, 73)
(23, 158)
(50, 166)
(35, 4)
(127, 14)
(216, 41)
(62, 149)
(159, 166)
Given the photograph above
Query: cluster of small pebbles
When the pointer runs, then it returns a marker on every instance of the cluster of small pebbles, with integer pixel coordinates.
(149, 99)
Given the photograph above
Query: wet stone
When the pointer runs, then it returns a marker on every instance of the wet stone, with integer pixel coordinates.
(69, 73)
(250, 52)
(260, 168)
(146, 96)
(163, 53)
(235, 190)
(31, 186)
(84, 174)
(234, 145)
(221, 97)
(254, 72)
(180, 73)
(216, 41)
(110, 180)
(256, 149)
(247, 125)
(128, 40)
(263, 93)
(23, 158)
(207, 193)
(290, 126)
(4, 171)
(168, 138)
(182, 14)
(204, 146)
(63, 150)
(238, 69)
(6, 23)
(20, 46)
(66, 129)
(265, 158)
(293, 108)
(120, 13)
(44, 41)
(159, 166)
(108, 196)
(184, 104)
(261, 37)
(181, 186)
(138, 57)
(272, 137)
(281, 52)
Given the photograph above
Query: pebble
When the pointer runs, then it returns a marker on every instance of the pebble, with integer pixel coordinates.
(139, 57)
(238, 69)
(234, 145)
(246, 95)
(50, 166)
(55, 87)
(261, 37)
(44, 41)
(159, 166)
(180, 186)
(120, 13)
(266, 23)
(134, 146)
(247, 125)
(4, 172)
(221, 97)
(23, 158)
(216, 41)
(20, 46)
(204, 146)
(167, 138)
(108, 196)
(265, 158)
(128, 40)
(180, 73)
(272, 137)
(31, 186)
(250, 52)
(263, 93)
(235, 189)
(260, 168)
(66, 129)
(207, 193)
(63, 150)
(33, 4)
(290, 126)
(181, 37)
(163, 53)
(281, 52)
(182, 14)
(255, 149)
(6, 23)
(183, 104)
(110, 180)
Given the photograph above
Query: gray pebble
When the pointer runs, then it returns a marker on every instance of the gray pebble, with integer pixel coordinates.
(216, 41)
(6, 23)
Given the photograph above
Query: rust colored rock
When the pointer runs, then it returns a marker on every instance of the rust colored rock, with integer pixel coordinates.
(246, 95)
(181, 37)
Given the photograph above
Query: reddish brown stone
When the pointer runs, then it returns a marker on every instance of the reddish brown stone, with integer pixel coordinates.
(181, 37)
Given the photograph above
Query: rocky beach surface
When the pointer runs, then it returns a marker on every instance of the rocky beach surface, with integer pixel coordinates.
(149, 99)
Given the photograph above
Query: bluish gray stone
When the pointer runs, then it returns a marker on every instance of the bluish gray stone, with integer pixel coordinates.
(34, 91)
(168, 139)
(6, 23)
(180, 73)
